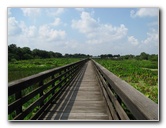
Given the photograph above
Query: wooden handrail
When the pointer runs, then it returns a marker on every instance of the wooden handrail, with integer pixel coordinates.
(141, 107)
(28, 97)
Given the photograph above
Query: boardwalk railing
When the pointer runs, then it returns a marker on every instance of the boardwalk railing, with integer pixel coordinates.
(124, 102)
(30, 96)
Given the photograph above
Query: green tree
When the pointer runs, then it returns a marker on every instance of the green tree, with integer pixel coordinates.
(153, 57)
(144, 56)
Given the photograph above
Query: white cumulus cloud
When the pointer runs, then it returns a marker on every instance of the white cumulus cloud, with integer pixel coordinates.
(144, 12)
(31, 31)
(96, 32)
(23, 35)
(57, 21)
(54, 11)
(13, 27)
(31, 12)
(86, 24)
(49, 34)
(152, 37)
(133, 40)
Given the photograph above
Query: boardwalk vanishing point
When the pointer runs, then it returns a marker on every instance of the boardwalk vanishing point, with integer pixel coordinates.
(81, 100)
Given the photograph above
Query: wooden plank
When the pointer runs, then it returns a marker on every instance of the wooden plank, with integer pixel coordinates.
(78, 107)
(77, 116)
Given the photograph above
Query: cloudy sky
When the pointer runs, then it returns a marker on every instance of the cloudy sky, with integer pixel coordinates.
(91, 31)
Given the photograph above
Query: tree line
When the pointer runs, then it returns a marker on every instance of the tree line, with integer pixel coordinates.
(25, 53)
(142, 56)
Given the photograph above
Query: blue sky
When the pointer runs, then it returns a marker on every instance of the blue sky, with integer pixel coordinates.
(91, 31)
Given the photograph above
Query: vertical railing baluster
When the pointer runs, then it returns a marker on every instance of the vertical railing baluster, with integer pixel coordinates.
(53, 84)
(65, 75)
(19, 108)
(60, 79)
(41, 93)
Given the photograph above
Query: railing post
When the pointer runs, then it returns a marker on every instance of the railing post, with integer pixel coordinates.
(66, 74)
(70, 72)
(41, 93)
(18, 96)
(53, 84)
(60, 78)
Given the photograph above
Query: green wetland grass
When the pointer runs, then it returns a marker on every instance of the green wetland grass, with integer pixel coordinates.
(141, 74)
(24, 68)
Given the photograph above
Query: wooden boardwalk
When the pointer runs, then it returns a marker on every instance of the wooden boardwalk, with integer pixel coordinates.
(82, 100)
(83, 90)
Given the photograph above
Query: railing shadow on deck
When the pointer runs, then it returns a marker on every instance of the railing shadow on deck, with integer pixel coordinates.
(62, 107)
